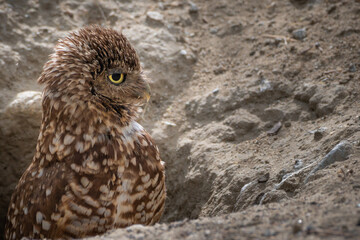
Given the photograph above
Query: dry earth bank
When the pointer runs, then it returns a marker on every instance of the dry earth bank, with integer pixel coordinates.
(251, 100)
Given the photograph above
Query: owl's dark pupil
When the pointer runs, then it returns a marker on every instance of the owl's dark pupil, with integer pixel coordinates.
(116, 76)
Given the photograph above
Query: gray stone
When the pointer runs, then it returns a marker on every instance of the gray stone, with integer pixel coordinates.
(264, 178)
(19, 129)
(242, 122)
(193, 8)
(352, 68)
(305, 92)
(298, 164)
(299, 34)
(215, 91)
(230, 29)
(339, 153)
(219, 70)
(214, 30)
(324, 102)
(154, 19)
(265, 85)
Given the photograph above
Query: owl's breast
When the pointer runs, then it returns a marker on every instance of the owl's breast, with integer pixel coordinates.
(140, 178)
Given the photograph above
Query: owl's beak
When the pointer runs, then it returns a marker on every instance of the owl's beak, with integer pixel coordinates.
(147, 93)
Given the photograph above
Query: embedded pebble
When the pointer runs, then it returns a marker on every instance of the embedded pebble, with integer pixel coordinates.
(265, 85)
(275, 129)
(299, 34)
(215, 91)
(339, 153)
(297, 226)
(264, 178)
(183, 52)
(352, 68)
(298, 164)
(193, 8)
(230, 29)
(214, 30)
(219, 70)
(318, 135)
(154, 18)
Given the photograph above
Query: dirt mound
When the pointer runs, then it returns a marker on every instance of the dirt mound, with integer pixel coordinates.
(255, 109)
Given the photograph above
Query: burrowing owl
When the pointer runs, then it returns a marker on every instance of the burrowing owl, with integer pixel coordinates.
(95, 167)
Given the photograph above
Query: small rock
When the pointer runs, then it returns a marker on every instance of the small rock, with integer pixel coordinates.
(213, 30)
(310, 229)
(299, 34)
(275, 129)
(290, 182)
(248, 74)
(345, 80)
(321, 129)
(193, 8)
(215, 91)
(276, 71)
(183, 52)
(298, 164)
(324, 103)
(318, 46)
(271, 115)
(331, 9)
(234, 29)
(297, 226)
(242, 122)
(305, 93)
(339, 153)
(219, 70)
(155, 19)
(265, 85)
(299, 3)
(169, 123)
(269, 233)
(318, 135)
(264, 178)
(28, 102)
(352, 68)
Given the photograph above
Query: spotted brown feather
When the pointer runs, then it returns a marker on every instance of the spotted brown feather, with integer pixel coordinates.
(95, 168)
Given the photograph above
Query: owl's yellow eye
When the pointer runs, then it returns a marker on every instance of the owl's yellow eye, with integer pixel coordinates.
(117, 78)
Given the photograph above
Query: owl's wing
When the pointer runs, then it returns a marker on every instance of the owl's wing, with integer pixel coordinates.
(34, 203)
(118, 180)
(85, 185)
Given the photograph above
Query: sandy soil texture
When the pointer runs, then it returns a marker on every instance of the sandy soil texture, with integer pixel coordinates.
(255, 109)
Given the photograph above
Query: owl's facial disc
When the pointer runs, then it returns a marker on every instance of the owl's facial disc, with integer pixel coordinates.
(122, 87)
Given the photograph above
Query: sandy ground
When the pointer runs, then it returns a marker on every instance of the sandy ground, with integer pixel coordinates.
(249, 100)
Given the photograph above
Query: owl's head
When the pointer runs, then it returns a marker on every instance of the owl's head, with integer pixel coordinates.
(96, 62)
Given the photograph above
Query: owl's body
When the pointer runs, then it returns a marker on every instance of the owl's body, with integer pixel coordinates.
(95, 167)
